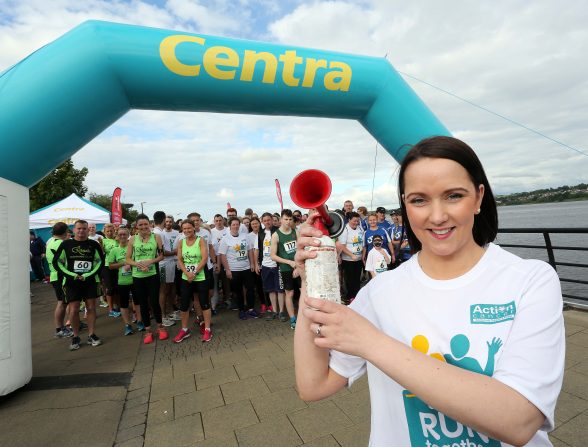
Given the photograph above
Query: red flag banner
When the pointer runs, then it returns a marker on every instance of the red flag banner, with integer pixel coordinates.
(116, 214)
(229, 205)
(279, 193)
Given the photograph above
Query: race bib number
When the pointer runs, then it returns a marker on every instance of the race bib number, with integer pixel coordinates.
(382, 267)
(290, 247)
(356, 249)
(241, 255)
(82, 266)
(191, 268)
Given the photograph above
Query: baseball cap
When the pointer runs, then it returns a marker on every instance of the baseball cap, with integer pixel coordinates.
(394, 212)
(378, 237)
(381, 209)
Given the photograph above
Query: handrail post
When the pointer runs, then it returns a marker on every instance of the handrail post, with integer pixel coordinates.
(549, 249)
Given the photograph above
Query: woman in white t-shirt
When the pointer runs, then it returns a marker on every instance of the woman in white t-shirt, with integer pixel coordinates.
(464, 343)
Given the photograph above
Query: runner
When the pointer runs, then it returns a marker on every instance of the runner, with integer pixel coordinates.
(268, 268)
(109, 276)
(255, 226)
(282, 251)
(220, 278)
(374, 229)
(378, 259)
(210, 263)
(79, 261)
(59, 232)
(350, 245)
(167, 268)
(192, 259)
(144, 251)
(236, 257)
(124, 279)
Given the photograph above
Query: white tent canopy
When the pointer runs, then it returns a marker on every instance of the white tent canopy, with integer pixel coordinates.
(68, 210)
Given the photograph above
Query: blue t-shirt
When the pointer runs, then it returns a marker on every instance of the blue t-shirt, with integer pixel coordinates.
(386, 226)
(404, 252)
(369, 235)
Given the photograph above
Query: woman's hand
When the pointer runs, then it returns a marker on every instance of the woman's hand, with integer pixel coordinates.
(341, 328)
(307, 238)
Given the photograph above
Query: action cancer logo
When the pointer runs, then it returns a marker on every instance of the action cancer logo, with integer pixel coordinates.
(81, 251)
(429, 428)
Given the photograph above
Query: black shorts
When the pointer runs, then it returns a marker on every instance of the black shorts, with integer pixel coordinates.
(288, 281)
(189, 289)
(124, 292)
(58, 288)
(209, 275)
(81, 290)
(270, 278)
(110, 279)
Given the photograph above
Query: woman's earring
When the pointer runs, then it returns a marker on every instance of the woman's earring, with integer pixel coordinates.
(478, 212)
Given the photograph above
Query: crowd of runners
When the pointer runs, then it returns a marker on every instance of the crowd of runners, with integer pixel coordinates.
(154, 273)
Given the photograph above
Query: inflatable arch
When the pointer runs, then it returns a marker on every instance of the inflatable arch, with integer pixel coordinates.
(60, 97)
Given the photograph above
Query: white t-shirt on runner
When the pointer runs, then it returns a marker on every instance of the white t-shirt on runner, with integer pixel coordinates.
(503, 318)
(217, 235)
(236, 249)
(266, 260)
(376, 262)
(353, 240)
(169, 242)
(205, 234)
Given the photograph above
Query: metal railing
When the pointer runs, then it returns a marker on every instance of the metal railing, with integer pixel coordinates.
(573, 300)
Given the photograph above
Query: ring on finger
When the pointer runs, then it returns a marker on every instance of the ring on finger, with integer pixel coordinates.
(318, 329)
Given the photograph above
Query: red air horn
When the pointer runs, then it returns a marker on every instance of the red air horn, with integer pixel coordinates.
(311, 189)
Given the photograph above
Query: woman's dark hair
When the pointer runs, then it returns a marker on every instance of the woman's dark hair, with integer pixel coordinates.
(485, 222)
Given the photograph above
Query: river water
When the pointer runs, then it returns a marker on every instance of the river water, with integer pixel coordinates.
(550, 215)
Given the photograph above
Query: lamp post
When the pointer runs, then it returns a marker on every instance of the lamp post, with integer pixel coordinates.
(142, 207)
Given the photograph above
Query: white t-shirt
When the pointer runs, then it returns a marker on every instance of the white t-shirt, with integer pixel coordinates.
(503, 318)
(169, 242)
(236, 249)
(205, 234)
(266, 260)
(353, 240)
(217, 235)
(376, 262)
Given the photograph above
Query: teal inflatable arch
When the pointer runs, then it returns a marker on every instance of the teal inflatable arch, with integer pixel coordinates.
(59, 98)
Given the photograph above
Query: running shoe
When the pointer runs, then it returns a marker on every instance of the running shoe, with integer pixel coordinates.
(163, 335)
(112, 314)
(75, 344)
(83, 326)
(242, 315)
(263, 309)
(283, 317)
(140, 326)
(182, 335)
(82, 306)
(167, 322)
(68, 332)
(63, 333)
(252, 313)
(129, 329)
(94, 340)
(269, 316)
(202, 327)
(103, 303)
(214, 312)
(176, 315)
(207, 335)
(148, 338)
(293, 323)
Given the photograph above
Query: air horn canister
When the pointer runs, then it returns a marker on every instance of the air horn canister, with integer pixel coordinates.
(311, 189)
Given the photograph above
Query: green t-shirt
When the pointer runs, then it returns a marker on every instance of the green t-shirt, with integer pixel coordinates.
(51, 247)
(191, 256)
(108, 245)
(286, 248)
(143, 251)
(117, 255)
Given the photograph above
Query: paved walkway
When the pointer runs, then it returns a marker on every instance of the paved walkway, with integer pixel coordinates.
(237, 390)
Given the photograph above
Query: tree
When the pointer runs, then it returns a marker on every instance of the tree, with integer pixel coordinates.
(105, 201)
(60, 183)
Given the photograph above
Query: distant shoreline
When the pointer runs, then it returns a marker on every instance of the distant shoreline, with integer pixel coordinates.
(572, 199)
(550, 195)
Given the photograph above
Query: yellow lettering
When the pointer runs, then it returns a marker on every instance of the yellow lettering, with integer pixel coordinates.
(167, 52)
(223, 57)
(312, 65)
(290, 60)
(339, 79)
(270, 66)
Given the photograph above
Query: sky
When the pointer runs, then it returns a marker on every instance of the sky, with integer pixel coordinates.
(516, 61)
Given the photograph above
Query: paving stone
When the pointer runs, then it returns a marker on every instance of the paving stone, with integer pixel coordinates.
(135, 442)
(575, 354)
(215, 377)
(353, 436)
(244, 389)
(576, 384)
(138, 392)
(277, 432)
(281, 402)
(568, 407)
(571, 329)
(360, 385)
(160, 411)
(255, 368)
(137, 401)
(178, 433)
(129, 433)
(557, 443)
(229, 441)
(222, 420)
(319, 420)
(175, 387)
(574, 431)
(190, 367)
(140, 380)
(163, 373)
(131, 420)
(355, 405)
(136, 409)
(326, 441)
(282, 360)
(579, 338)
(198, 401)
(581, 367)
(229, 358)
(279, 380)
